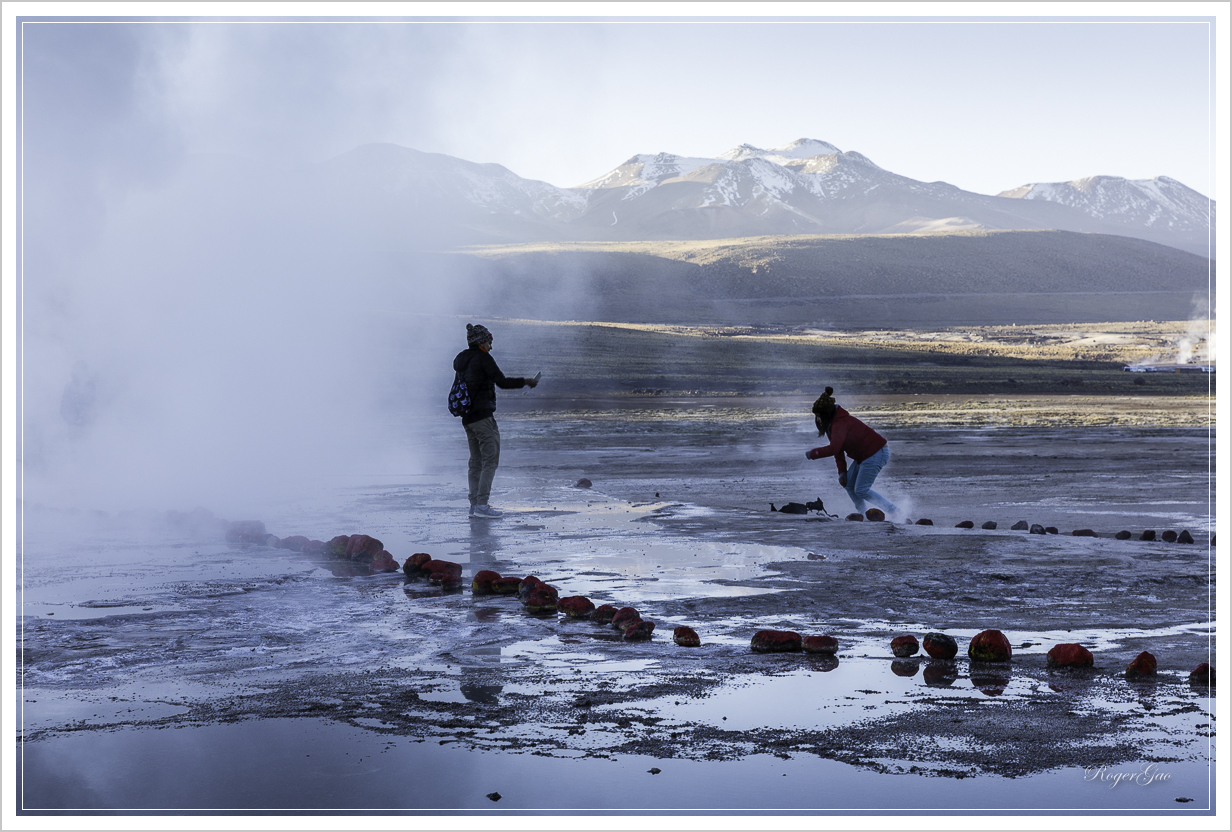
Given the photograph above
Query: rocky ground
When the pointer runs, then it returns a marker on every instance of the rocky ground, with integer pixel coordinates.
(132, 625)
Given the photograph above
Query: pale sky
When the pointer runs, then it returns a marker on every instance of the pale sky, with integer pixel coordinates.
(985, 105)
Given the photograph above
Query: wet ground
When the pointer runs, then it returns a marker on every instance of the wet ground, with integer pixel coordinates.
(165, 670)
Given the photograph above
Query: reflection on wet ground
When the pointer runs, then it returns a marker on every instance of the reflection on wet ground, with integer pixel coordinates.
(264, 657)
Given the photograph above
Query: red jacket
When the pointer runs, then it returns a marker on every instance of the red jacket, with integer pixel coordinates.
(848, 435)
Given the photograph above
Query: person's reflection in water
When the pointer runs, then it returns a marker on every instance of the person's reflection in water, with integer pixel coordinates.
(485, 544)
(474, 687)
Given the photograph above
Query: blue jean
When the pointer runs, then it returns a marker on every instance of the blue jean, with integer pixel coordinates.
(860, 477)
(484, 440)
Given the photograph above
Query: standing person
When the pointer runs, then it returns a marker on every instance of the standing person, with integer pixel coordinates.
(867, 448)
(478, 369)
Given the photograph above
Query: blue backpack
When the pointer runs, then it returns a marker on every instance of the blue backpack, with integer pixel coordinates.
(459, 396)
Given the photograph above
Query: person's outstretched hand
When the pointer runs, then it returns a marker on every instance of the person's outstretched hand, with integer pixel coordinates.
(534, 382)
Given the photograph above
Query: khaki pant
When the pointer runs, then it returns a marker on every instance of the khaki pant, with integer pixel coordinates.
(484, 440)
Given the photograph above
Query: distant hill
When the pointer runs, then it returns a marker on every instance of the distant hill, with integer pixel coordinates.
(397, 197)
(844, 281)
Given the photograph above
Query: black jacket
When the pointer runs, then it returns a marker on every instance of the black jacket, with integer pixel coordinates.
(482, 377)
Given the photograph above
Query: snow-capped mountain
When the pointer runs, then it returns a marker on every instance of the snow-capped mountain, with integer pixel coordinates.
(1162, 203)
(805, 187)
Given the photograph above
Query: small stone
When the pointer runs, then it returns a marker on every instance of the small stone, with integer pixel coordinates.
(940, 646)
(481, 584)
(295, 543)
(989, 646)
(1149, 534)
(582, 483)
(1083, 533)
(1184, 537)
(923, 521)
(1020, 526)
(623, 616)
(541, 601)
(825, 645)
(363, 547)
(246, 531)
(506, 586)
(413, 567)
(603, 614)
(638, 629)
(1203, 674)
(989, 525)
(904, 646)
(576, 606)
(855, 515)
(686, 637)
(1052, 530)
(494, 796)
(1036, 528)
(874, 514)
(815, 556)
(1122, 535)
(654, 770)
(1169, 536)
(384, 562)
(1070, 655)
(1142, 666)
(776, 641)
(965, 524)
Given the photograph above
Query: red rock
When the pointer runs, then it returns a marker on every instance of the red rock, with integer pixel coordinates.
(923, 521)
(904, 646)
(1143, 665)
(444, 566)
(576, 606)
(825, 645)
(582, 483)
(874, 514)
(1123, 535)
(1083, 533)
(940, 646)
(295, 543)
(623, 616)
(989, 525)
(603, 614)
(363, 547)
(1070, 655)
(966, 524)
(446, 580)
(855, 515)
(1169, 536)
(638, 630)
(989, 646)
(415, 563)
(1149, 534)
(905, 668)
(528, 585)
(541, 601)
(1184, 537)
(776, 641)
(314, 547)
(246, 531)
(384, 562)
(481, 583)
(1203, 674)
(337, 546)
(506, 586)
(686, 637)
(1051, 530)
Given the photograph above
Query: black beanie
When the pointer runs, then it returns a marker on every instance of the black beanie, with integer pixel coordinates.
(824, 407)
(477, 334)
